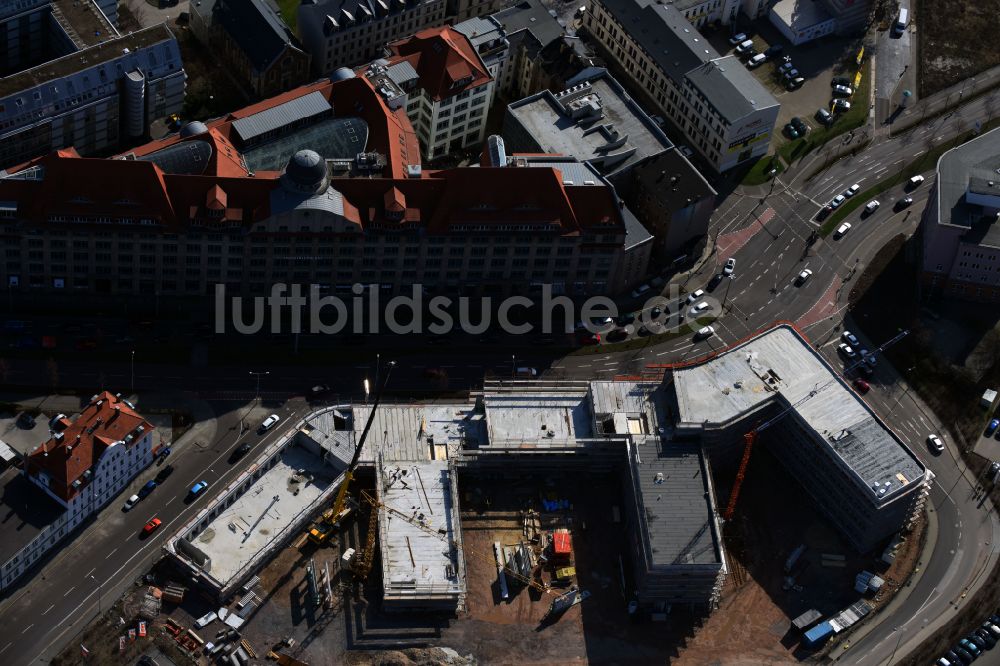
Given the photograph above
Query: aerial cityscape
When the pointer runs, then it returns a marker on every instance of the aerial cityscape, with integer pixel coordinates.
(473, 332)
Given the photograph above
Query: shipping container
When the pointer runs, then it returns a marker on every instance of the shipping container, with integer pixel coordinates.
(818, 634)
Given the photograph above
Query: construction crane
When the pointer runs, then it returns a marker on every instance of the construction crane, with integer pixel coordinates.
(369, 548)
(324, 527)
(751, 437)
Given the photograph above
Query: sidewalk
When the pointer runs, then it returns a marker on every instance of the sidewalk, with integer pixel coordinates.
(946, 99)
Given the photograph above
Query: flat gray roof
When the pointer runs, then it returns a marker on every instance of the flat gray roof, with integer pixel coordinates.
(800, 14)
(675, 498)
(279, 116)
(557, 416)
(958, 169)
(417, 559)
(25, 512)
(415, 432)
(730, 88)
(257, 516)
(598, 140)
(779, 362)
(533, 17)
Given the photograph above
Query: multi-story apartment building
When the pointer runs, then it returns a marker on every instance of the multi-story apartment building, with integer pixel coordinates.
(92, 89)
(345, 33)
(705, 12)
(255, 43)
(320, 185)
(463, 10)
(713, 101)
(961, 223)
(447, 85)
(596, 121)
(535, 41)
(86, 463)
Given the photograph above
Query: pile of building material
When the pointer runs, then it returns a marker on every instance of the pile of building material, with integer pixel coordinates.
(889, 554)
(866, 582)
(230, 648)
(173, 593)
(150, 607)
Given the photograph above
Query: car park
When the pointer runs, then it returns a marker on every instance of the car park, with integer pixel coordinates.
(824, 116)
(164, 472)
(802, 277)
(269, 422)
(694, 296)
(844, 91)
(935, 443)
(147, 489)
(849, 338)
(872, 206)
(705, 332)
(730, 266)
(914, 182)
(151, 526)
(852, 190)
(839, 81)
(756, 61)
(841, 105)
(131, 502)
(842, 229)
(738, 38)
(837, 200)
(846, 350)
(992, 427)
(862, 386)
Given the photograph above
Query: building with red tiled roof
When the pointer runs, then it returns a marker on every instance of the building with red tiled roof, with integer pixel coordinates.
(448, 86)
(85, 464)
(321, 185)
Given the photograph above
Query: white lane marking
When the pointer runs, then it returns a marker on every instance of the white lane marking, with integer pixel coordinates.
(27, 628)
(45, 612)
(170, 500)
(111, 553)
(66, 593)
(87, 575)
(5, 648)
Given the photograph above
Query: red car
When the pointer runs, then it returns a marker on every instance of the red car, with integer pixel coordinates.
(862, 385)
(151, 526)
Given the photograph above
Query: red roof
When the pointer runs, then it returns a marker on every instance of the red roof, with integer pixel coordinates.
(103, 422)
(444, 59)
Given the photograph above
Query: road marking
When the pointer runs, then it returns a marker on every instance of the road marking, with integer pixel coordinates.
(5, 648)
(66, 593)
(87, 575)
(45, 612)
(27, 628)
(111, 553)
(170, 500)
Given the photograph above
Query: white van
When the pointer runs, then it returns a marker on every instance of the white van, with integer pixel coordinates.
(745, 47)
(901, 21)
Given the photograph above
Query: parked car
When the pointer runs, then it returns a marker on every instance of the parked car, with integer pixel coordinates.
(791, 74)
(756, 61)
(824, 116)
(841, 105)
(151, 526)
(844, 91)
(842, 229)
(986, 637)
(698, 309)
(774, 50)
(839, 81)
(715, 281)
(730, 266)
(992, 426)
(971, 646)
(795, 83)
(964, 655)
(745, 46)
(872, 206)
(862, 386)
(786, 66)
(640, 290)
(837, 200)
(824, 213)
(852, 190)
(849, 338)
(799, 124)
(846, 350)
(147, 489)
(905, 202)
(791, 131)
(705, 332)
(164, 472)
(695, 295)
(738, 38)
(935, 443)
(914, 182)
(131, 502)
(269, 422)
(803, 276)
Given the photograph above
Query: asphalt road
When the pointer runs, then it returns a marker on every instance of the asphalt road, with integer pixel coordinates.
(59, 599)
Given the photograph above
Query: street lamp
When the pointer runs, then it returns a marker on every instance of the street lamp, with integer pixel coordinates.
(98, 583)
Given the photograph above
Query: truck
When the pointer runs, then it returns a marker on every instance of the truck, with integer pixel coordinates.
(901, 21)
(818, 634)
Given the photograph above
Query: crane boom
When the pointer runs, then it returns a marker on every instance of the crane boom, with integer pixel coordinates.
(750, 437)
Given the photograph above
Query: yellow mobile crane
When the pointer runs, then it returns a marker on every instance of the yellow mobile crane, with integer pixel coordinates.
(325, 526)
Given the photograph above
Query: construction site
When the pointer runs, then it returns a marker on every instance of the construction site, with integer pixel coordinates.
(543, 522)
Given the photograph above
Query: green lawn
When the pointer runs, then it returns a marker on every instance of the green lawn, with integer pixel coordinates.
(289, 12)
